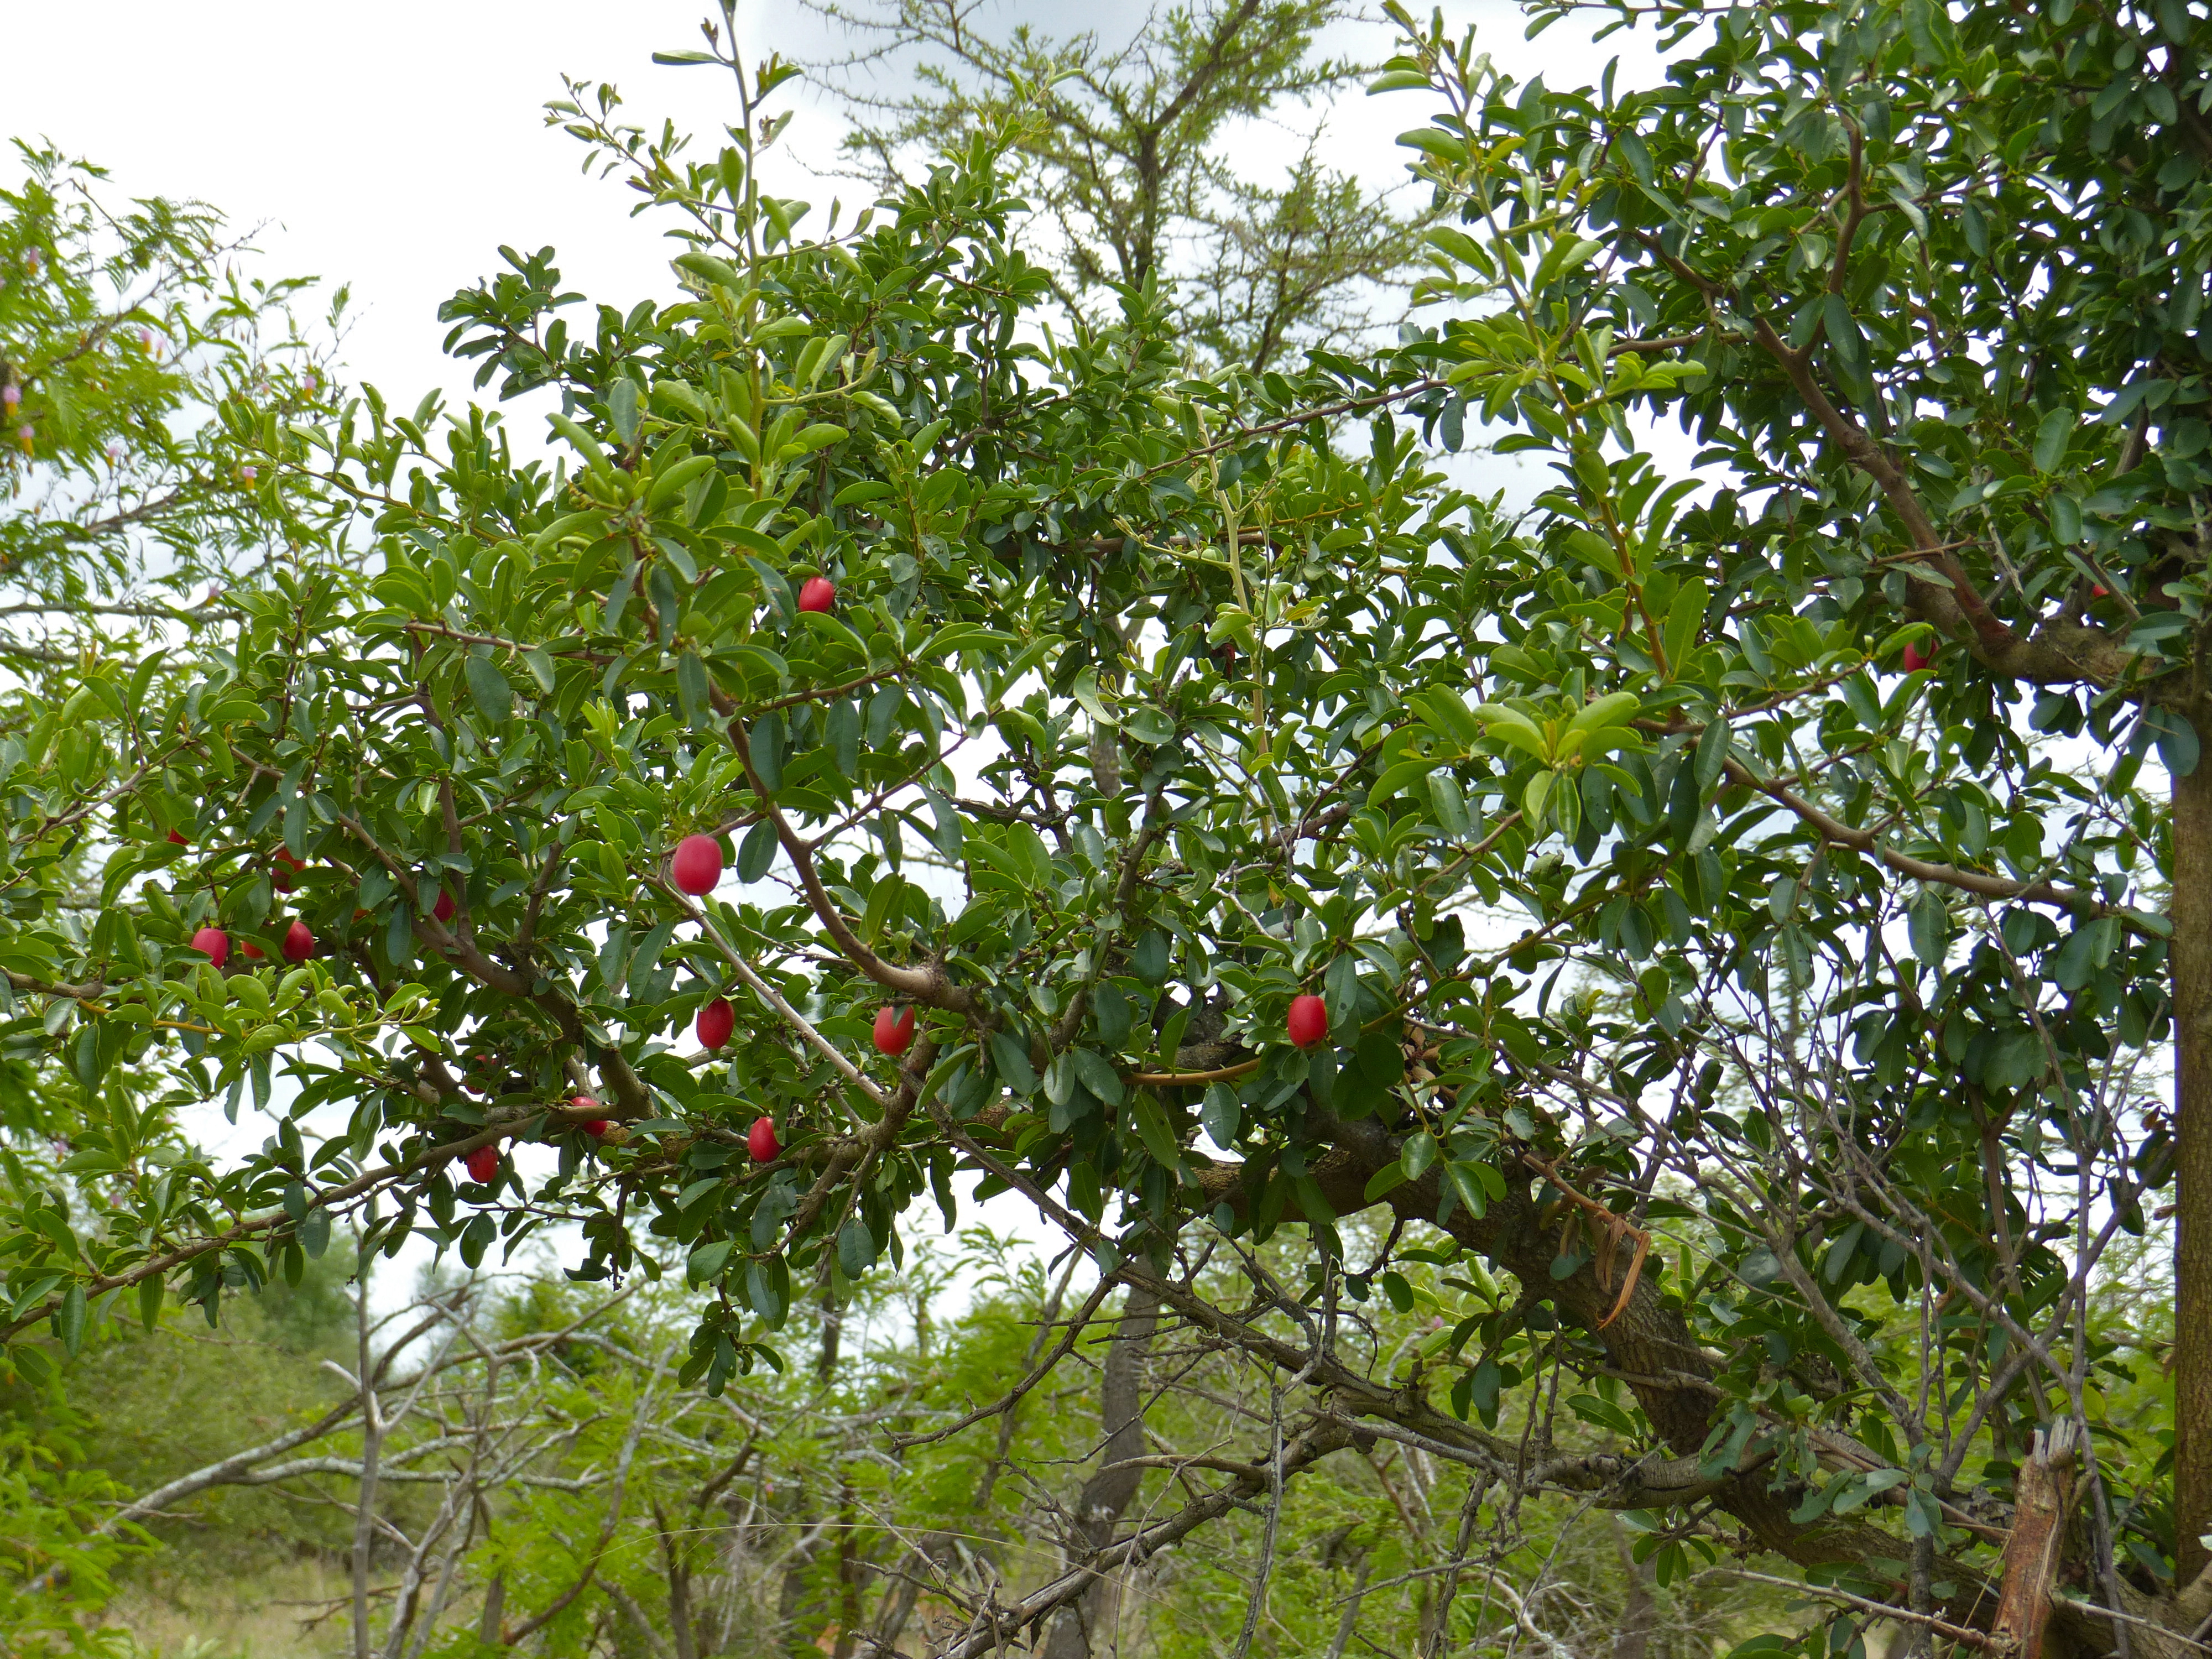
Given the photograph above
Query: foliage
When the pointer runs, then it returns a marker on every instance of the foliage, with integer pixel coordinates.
(1120, 149)
(771, 1519)
(1783, 1138)
(119, 328)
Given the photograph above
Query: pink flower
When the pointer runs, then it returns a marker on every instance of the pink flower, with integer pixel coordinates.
(247, 473)
(24, 435)
(10, 396)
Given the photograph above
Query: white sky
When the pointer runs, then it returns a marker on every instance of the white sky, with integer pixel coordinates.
(396, 153)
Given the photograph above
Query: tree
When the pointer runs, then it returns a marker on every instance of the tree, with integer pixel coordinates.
(119, 329)
(1118, 146)
(1793, 1142)
(120, 326)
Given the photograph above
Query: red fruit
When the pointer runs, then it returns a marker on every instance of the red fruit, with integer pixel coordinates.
(251, 952)
(1308, 1022)
(281, 869)
(715, 1022)
(597, 1127)
(484, 1164)
(178, 839)
(894, 1029)
(760, 1141)
(2097, 591)
(443, 909)
(1916, 659)
(817, 593)
(213, 943)
(697, 865)
(299, 942)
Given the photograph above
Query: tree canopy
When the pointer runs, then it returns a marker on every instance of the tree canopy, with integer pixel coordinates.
(1751, 932)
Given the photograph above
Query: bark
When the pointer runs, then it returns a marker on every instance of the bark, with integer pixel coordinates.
(372, 1446)
(1647, 1343)
(1078, 1624)
(2192, 1235)
(934, 1554)
(2043, 1497)
(676, 1566)
(492, 1618)
(1640, 1617)
(1350, 1622)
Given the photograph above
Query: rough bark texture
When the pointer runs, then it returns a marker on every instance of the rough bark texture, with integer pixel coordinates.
(2043, 1497)
(1077, 1625)
(2193, 1248)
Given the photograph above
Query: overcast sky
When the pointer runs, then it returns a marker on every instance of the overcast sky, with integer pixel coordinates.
(394, 151)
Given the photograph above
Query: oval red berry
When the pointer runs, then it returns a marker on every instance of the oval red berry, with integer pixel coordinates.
(715, 1022)
(1308, 1022)
(484, 1164)
(894, 1029)
(697, 865)
(760, 1141)
(299, 942)
(817, 593)
(213, 943)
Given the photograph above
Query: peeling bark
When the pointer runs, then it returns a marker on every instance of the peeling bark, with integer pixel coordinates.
(2043, 1497)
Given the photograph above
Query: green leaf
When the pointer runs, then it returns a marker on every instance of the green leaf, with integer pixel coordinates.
(489, 689)
(756, 851)
(1012, 1057)
(1712, 753)
(1148, 725)
(1390, 1176)
(1221, 1116)
(1152, 1129)
(1419, 1151)
(2051, 437)
(1099, 1076)
(69, 1319)
(766, 741)
(1929, 926)
(1340, 988)
(1399, 777)
(1450, 805)
(856, 1247)
(705, 1264)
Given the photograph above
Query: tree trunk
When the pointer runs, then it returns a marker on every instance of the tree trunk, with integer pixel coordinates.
(1640, 1616)
(2043, 1497)
(492, 1620)
(1349, 1622)
(1076, 1627)
(2192, 948)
